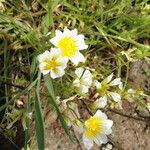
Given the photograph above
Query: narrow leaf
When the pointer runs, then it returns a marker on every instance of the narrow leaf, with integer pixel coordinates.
(38, 118)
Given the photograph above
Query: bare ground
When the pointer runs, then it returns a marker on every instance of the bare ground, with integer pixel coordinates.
(128, 134)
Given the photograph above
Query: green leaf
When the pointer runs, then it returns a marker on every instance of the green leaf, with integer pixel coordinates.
(48, 18)
(27, 122)
(49, 85)
(39, 123)
(33, 70)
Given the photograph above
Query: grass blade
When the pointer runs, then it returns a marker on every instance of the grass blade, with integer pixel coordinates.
(38, 118)
(27, 123)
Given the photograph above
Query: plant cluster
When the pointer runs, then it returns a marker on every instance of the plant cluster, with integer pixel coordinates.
(47, 65)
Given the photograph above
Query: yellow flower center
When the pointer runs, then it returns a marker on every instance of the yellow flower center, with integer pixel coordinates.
(51, 64)
(104, 89)
(93, 127)
(81, 81)
(68, 45)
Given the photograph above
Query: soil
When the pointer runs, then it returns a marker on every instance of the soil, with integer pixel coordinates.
(13, 144)
(128, 134)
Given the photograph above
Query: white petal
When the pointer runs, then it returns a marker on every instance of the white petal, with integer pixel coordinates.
(116, 81)
(55, 52)
(66, 32)
(78, 57)
(109, 146)
(87, 81)
(46, 54)
(107, 124)
(108, 131)
(87, 142)
(102, 139)
(131, 91)
(58, 33)
(87, 78)
(100, 115)
(41, 67)
(63, 61)
(76, 82)
(109, 78)
(74, 32)
(55, 41)
(56, 74)
(101, 102)
(81, 42)
(121, 86)
(84, 89)
(87, 74)
(79, 72)
(116, 97)
(97, 84)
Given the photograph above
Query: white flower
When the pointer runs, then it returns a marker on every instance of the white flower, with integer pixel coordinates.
(106, 84)
(99, 103)
(96, 129)
(114, 82)
(70, 43)
(52, 62)
(83, 80)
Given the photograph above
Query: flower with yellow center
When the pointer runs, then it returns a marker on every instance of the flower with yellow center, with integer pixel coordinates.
(83, 80)
(96, 130)
(52, 62)
(70, 43)
(106, 84)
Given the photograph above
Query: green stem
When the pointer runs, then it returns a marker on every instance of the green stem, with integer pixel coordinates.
(127, 75)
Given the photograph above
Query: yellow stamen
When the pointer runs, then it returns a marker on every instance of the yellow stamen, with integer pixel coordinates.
(51, 64)
(68, 45)
(81, 81)
(93, 127)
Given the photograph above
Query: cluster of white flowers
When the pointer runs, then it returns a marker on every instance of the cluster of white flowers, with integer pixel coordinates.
(67, 47)
(105, 89)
